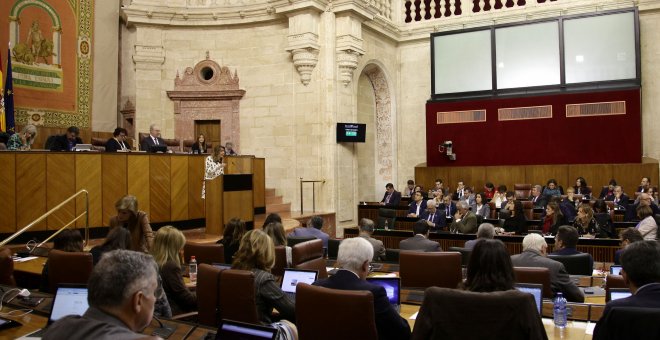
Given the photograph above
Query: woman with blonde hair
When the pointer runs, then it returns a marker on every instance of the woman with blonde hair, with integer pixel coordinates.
(257, 254)
(585, 222)
(276, 232)
(136, 221)
(214, 166)
(22, 140)
(168, 254)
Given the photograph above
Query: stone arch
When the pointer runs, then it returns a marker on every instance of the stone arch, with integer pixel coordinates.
(385, 169)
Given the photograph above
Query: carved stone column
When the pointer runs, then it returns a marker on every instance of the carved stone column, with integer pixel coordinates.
(349, 20)
(303, 38)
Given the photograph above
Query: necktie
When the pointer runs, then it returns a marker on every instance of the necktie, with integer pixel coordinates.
(387, 200)
(431, 217)
(155, 141)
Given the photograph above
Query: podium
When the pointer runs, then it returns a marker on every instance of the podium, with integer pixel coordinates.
(228, 196)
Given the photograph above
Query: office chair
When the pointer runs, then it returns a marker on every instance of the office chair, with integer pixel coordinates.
(535, 275)
(208, 253)
(577, 264)
(426, 269)
(309, 255)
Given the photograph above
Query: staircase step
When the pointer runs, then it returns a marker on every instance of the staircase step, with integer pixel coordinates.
(274, 200)
(276, 208)
(270, 192)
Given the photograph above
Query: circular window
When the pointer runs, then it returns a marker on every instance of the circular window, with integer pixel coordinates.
(206, 73)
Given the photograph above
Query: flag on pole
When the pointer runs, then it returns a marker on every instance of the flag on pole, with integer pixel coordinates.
(3, 124)
(10, 124)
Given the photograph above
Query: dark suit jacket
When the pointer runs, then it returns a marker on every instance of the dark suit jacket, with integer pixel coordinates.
(195, 147)
(112, 145)
(631, 212)
(413, 208)
(572, 251)
(61, 143)
(443, 209)
(388, 322)
(147, 143)
(583, 191)
(438, 219)
(419, 243)
(622, 202)
(604, 193)
(559, 278)
(646, 297)
(394, 200)
(540, 202)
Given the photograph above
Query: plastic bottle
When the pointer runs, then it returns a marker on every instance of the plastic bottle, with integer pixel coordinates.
(387, 227)
(559, 310)
(193, 269)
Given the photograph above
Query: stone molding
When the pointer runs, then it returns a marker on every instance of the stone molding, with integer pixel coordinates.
(148, 57)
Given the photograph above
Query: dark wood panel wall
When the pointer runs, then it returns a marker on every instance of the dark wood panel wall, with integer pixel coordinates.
(168, 186)
(596, 175)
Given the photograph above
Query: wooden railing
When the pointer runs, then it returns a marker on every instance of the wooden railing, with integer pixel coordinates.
(423, 10)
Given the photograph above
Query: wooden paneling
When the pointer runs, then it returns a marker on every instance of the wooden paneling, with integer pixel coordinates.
(239, 204)
(88, 177)
(138, 180)
(259, 182)
(30, 193)
(630, 175)
(61, 184)
(195, 180)
(159, 188)
(8, 192)
(540, 174)
(179, 188)
(472, 176)
(115, 182)
(239, 165)
(214, 206)
(595, 175)
(504, 175)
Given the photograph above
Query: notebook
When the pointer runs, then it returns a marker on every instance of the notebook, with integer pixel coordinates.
(392, 287)
(83, 147)
(535, 289)
(68, 300)
(615, 270)
(293, 277)
(233, 330)
(619, 293)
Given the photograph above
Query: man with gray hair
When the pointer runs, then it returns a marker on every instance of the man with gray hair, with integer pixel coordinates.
(537, 199)
(353, 259)
(485, 231)
(434, 219)
(465, 221)
(534, 255)
(149, 142)
(366, 229)
(123, 288)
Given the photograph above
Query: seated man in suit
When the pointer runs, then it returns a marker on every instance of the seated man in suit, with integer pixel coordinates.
(391, 197)
(353, 259)
(152, 140)
(67, 141)
(439, 186)
(566, 242)
(118, 141)
(485, 231)
(448, 207)
(434, 219)
(640, 264)
(313, 229)
(417, 206)
(460, 188)
(366, 229)
(465, 221)
(533, 255)
(537, 199)
(229, 149)
(618, 197)
(644, 199)
(420, 241)
(644, 185)
(410, 189)
(123, 289)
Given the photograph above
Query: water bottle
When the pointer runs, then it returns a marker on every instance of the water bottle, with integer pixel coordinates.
(193, 269)
(559, 310)
(387, 227)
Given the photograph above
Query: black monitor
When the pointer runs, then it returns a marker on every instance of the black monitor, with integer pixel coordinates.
(351, 132)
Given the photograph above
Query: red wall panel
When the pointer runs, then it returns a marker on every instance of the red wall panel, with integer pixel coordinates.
(556, 140)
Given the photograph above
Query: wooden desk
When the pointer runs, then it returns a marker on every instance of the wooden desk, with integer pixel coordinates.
(28, 274)
(183, 329)
(30, 323)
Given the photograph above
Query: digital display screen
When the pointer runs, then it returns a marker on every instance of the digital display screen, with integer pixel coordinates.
(351, 132)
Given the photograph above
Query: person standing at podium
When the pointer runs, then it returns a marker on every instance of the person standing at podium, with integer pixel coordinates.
(214, 166)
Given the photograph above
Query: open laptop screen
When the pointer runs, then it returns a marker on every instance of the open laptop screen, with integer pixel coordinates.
(535, 289)
(232, 330)
(615, 270)
(293, 277)
(392, 287)
(619, 293)
(68, 301)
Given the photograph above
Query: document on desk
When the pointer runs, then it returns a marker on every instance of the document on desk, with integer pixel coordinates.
(590, 328)
(25, 259)
(414, 316)
(385, 275)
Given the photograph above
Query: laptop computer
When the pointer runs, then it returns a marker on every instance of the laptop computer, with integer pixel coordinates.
(535, 289)
(619, 293)
(392, 287)
(83, 147)
(68, 300)
(293, 277)
(615, 270)
(234, 330)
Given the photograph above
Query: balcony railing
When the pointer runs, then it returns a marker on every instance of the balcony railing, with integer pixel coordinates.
(423, 10)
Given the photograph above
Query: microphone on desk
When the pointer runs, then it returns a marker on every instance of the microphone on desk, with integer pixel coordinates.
(163, 331)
